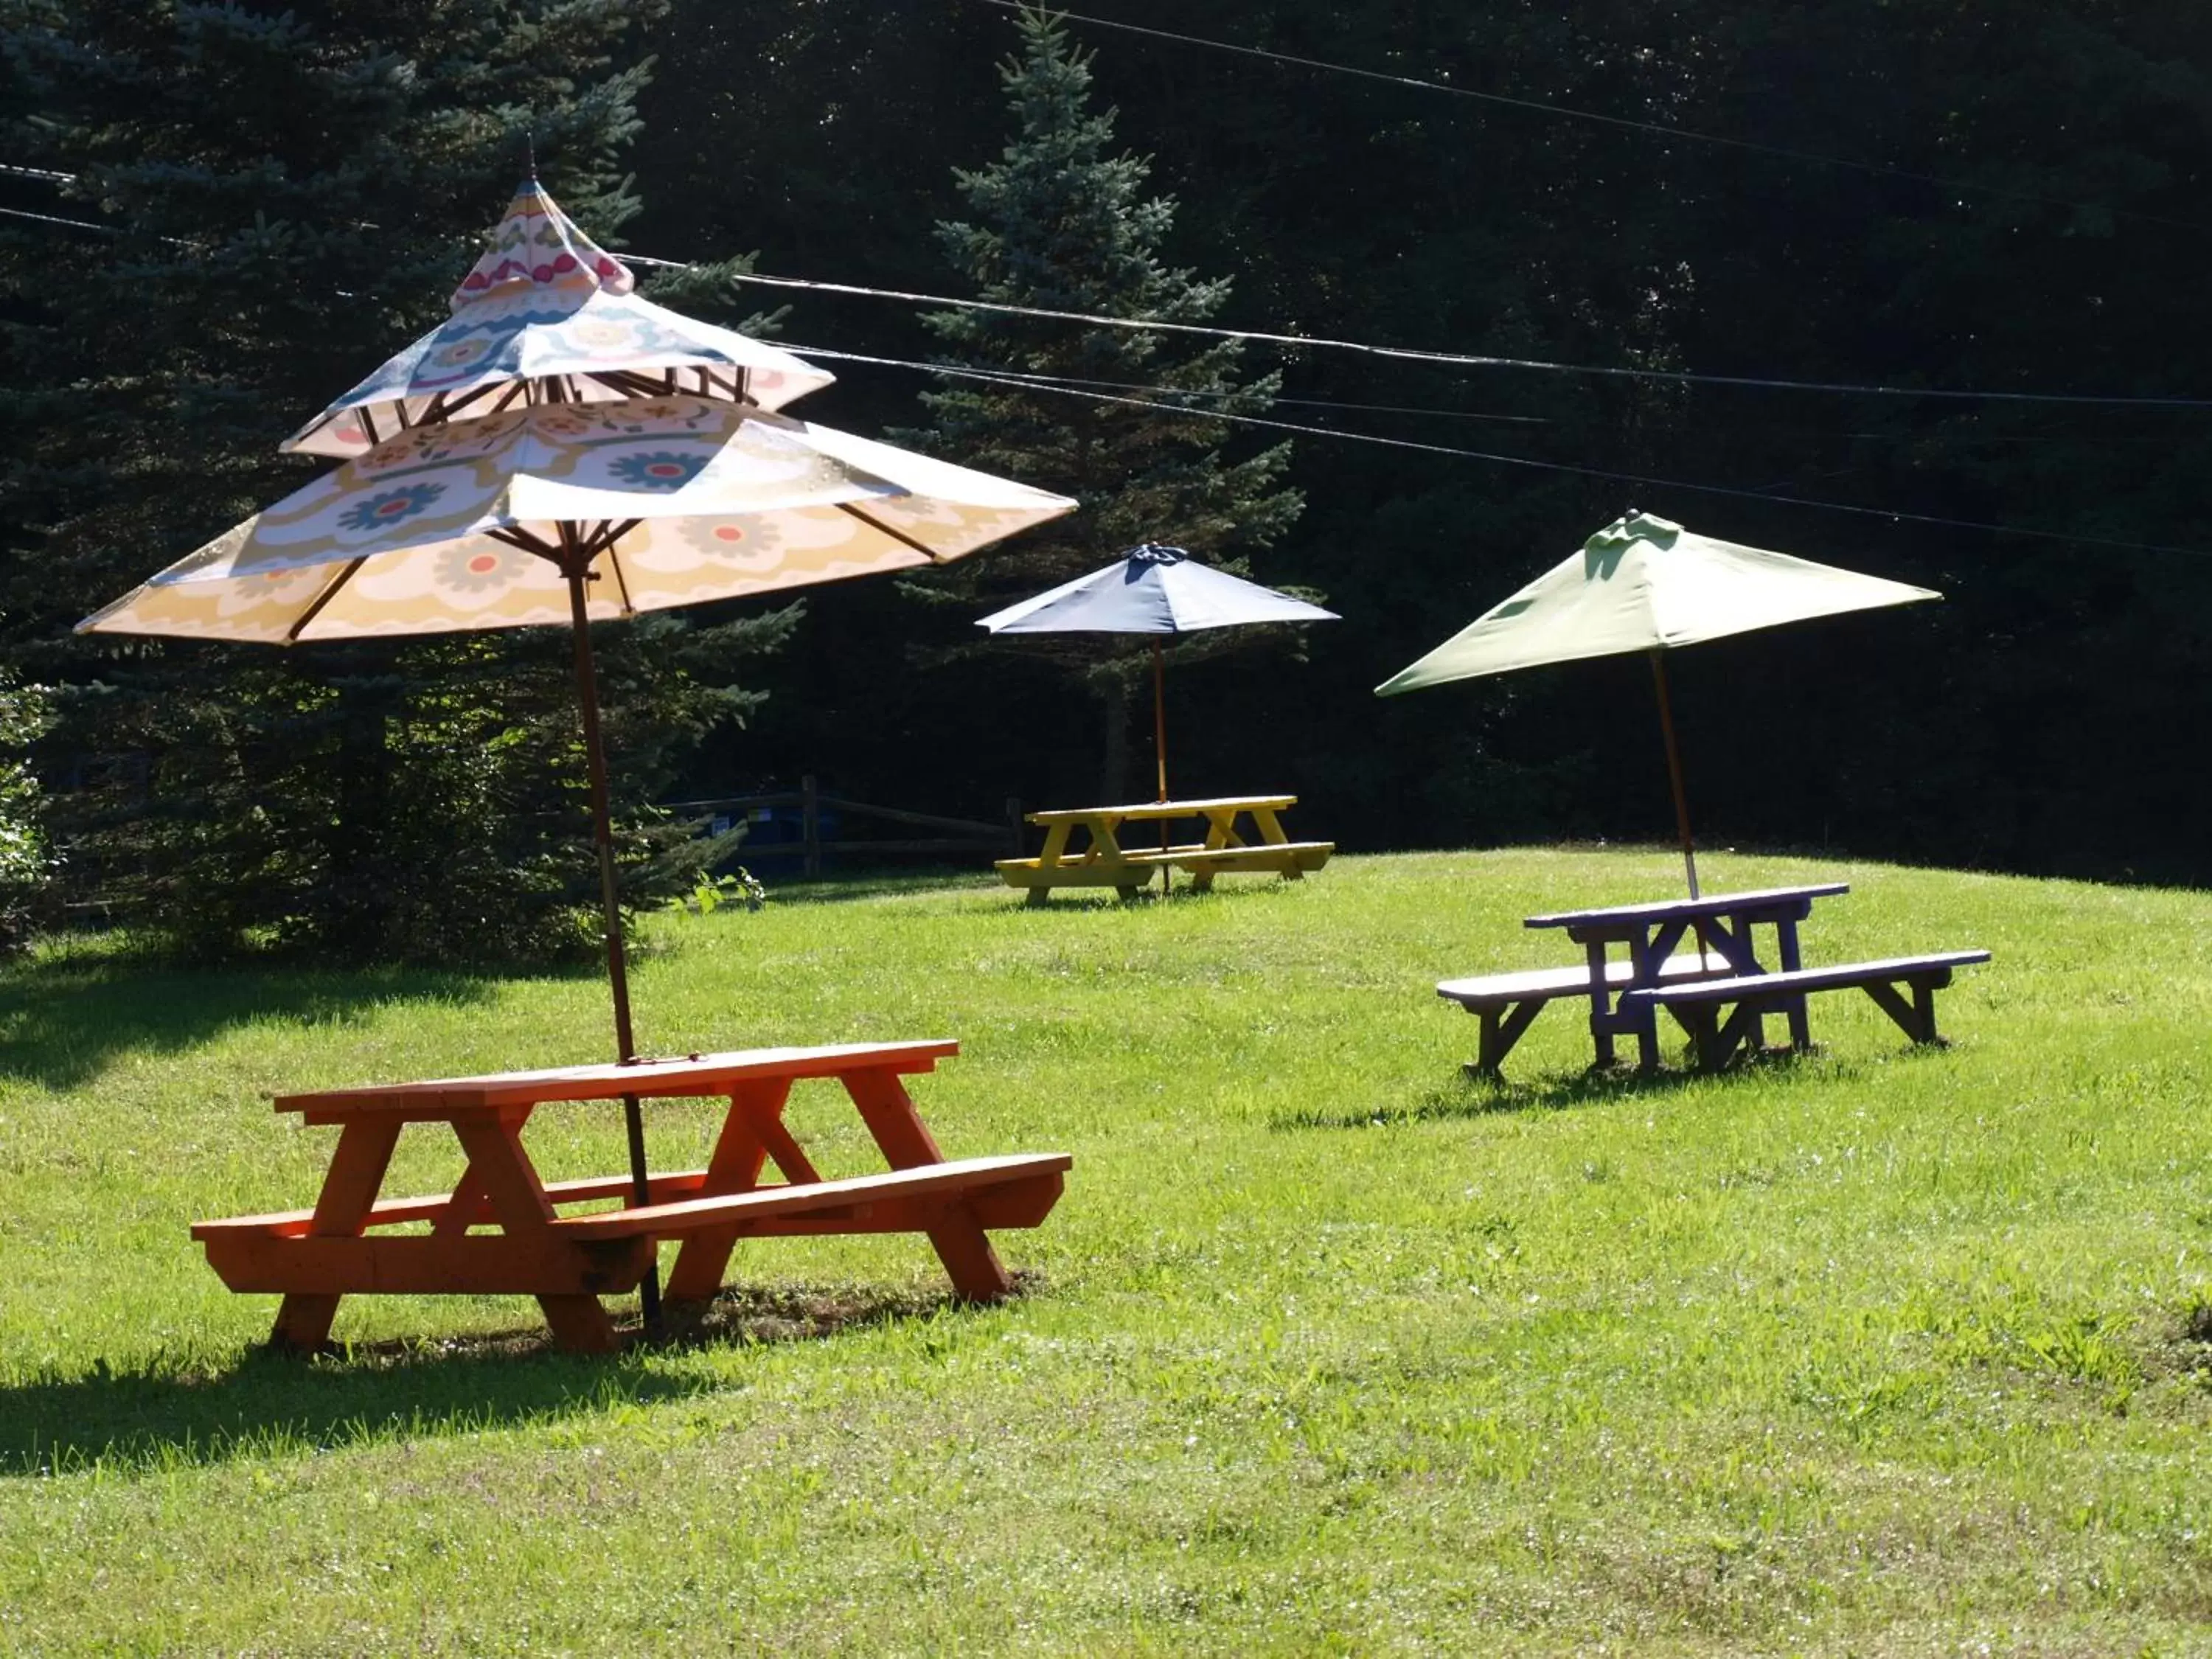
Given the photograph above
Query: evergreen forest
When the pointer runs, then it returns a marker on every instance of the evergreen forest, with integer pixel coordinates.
(1906, 286)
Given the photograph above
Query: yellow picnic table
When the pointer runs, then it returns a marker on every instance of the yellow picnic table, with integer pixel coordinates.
(1103, 861)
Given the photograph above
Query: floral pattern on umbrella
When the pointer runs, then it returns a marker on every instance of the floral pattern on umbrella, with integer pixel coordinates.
(725, 501)
(547, 304)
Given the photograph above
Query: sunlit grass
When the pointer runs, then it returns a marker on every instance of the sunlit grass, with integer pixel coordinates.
(1326, 1349)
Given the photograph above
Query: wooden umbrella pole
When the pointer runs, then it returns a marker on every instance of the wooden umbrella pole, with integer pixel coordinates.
(1160, 714)
(587, 692)
(1674, 770)
(1160, 739)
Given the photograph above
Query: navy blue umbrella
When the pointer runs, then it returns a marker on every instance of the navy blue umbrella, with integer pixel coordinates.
(1158, 591)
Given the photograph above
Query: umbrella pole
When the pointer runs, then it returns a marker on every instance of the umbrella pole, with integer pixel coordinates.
(1160, 714)
(1160, 740)
(1674, 770)
(587, 692)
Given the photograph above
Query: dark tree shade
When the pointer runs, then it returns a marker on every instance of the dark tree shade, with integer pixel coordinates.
(1062, 223)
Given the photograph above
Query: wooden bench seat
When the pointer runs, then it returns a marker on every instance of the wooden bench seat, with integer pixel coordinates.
(606, 1253)
(1016, 1190)
(1509, 1003)
(1129, 871)
(396, 1211)
(1888, 982)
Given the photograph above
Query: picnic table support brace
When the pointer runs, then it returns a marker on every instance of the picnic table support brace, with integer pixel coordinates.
(959, 1238)
(497, 1160)
(752, 1134)
(575, 566)
(357, 1167)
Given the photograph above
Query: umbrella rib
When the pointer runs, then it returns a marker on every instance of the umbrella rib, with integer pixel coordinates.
(515, 536)
(454, 408)
(927, 552)
(292, 634)
(612, 534)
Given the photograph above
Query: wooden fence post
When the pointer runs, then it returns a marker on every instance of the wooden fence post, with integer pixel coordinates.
(810, 824)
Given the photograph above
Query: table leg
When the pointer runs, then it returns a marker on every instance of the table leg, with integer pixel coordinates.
(1648, 955)
(1785, 950)
(959, 1238)
(496, 1158)
(357, 1167)
(1050, 857)
(1272, 833)
(741, 1151)
(1601, 1018)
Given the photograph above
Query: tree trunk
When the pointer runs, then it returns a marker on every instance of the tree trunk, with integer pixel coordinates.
(1114, 764)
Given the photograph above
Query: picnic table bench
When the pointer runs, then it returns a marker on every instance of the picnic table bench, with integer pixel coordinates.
(1722, 969)
(1508, 1004)
(1102, 859)
(1721, 1040)
(344, 1247)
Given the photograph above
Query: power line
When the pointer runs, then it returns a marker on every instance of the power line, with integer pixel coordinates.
(1564, 112)
(1455, 359)
(55, 219)
(1038, 383)
(1029, 383)
(1404, 354)
(1430, 412)
(1194, 392)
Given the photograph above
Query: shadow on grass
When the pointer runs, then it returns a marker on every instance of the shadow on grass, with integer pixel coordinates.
(1474, 1098)
(61, 1021)
(273, 1404)
(845, 889)
(1149, 896)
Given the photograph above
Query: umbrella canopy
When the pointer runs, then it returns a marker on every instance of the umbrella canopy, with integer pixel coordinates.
(1152, 590)
(1645, 584)
(1642, 584)
(476, 524)
(547, 315)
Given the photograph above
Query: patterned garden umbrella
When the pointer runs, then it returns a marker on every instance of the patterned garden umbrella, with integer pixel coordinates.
(547, 316)
(590, 457)
(1645, 584)
(574, 513)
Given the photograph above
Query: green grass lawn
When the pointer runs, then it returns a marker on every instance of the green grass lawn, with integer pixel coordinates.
(1326, 1349)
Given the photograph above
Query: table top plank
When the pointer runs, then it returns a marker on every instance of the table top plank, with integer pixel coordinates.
(1662, 911)
(692, 1075)
(1165, 808)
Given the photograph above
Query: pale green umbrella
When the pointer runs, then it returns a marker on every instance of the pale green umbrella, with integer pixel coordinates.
(1643, 584)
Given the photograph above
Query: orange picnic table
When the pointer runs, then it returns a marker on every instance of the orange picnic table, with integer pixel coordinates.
(341, 1248)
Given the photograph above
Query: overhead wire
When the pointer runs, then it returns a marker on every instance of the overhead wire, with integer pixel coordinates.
(1660, 129)
(1455, 359)
(1032, 383)
(1070, 387)
(1402, 354)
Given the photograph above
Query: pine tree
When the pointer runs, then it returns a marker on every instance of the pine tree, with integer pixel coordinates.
(1061, 223)
(287, 196)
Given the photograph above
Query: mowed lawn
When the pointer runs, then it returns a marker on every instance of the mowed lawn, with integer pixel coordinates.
(1326, 1349)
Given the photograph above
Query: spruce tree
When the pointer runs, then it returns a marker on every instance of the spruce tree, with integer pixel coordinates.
(1061, 222)
(288, 194)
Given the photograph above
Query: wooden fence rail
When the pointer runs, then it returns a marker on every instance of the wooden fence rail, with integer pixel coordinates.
(963, 836)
